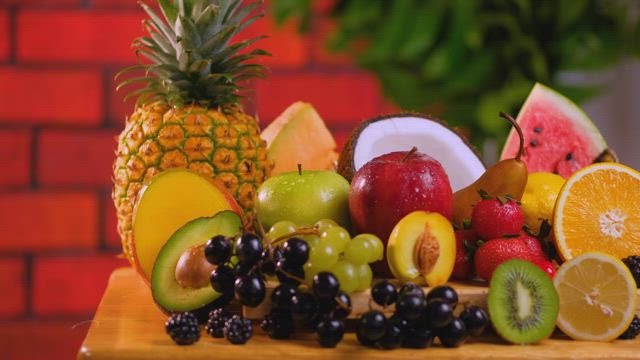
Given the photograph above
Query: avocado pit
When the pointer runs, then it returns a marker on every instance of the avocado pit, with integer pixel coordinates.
(193, 270)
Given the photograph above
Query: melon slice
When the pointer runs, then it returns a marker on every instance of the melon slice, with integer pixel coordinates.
(169, 201)
(559, 137)
(402, 132)
(299, 136)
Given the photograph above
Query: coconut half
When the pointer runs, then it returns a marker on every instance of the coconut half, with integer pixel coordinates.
(401, 132)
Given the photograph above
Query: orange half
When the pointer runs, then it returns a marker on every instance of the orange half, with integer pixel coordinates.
(598, 209)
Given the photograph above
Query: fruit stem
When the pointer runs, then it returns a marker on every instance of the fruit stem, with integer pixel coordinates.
(299, 169)
(518, 129)
(341, 303)
(291, 276)
(411, 152)
(300, 231)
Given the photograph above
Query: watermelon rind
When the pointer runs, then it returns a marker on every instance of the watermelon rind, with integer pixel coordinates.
(572, 111)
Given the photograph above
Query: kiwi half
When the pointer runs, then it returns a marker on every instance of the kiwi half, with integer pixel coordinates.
(523, 303)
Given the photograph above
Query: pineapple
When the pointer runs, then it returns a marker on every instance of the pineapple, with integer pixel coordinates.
(188, 113)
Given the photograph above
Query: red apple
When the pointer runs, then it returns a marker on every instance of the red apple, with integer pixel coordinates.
(391, 186)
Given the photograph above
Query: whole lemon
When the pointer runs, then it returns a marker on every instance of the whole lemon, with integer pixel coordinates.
(539, 198)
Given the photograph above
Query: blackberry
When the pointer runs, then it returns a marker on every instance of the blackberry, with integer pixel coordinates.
(183, 328)
(633, 330)
(633, 263)
(238, 330)
(215, 324)
(278, 325)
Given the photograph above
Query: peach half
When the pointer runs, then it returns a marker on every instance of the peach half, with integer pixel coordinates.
(172, 199)
(422, 249)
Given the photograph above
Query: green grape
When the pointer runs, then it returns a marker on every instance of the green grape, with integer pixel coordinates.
(233, 260)
(281, 228)
(346, 274)
(359, 251)
(337, 236)
(324, 224)
(377, 248)
(312, 240)
(309, 272)
(324, 255)
(364, 274)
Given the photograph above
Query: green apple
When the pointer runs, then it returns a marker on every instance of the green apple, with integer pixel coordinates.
(304, 197)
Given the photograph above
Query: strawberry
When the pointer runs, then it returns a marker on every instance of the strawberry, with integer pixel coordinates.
(493, 218)
(495, 252)
(465, 246)
(546, 266)
(534, 246)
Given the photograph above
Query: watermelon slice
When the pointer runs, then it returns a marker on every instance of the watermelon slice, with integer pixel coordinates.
(559, 137)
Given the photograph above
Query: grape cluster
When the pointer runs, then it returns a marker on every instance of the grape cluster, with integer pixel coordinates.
(324, 306)
(323, 257)
(237, 267)
(242, 264)
(332, 249)
(418, 319)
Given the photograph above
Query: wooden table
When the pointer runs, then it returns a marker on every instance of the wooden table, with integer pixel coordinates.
(127, 325)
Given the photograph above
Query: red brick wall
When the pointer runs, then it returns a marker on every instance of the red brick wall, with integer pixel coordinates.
(59, 114)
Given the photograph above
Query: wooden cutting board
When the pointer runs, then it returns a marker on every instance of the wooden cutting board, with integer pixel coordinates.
(127, 325)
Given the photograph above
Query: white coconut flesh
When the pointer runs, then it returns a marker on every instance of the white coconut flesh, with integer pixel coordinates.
(430, 137)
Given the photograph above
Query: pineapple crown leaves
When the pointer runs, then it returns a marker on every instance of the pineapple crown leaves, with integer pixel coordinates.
(188, 57)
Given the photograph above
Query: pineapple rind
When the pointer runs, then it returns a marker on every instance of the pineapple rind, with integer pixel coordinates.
(188, 113)
(221, 145)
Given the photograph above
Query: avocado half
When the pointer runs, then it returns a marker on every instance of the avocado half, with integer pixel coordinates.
(401, 132)
(168, 294)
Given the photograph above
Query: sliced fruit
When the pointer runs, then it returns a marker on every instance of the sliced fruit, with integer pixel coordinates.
(431, 136)
(539, 198)
(597, 297)
(422, 249)
(523, 304)
(180, 280)
(559, 137)
(299, 136)
(597, 210)
(172, 199)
